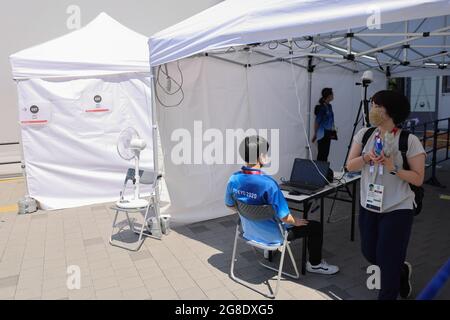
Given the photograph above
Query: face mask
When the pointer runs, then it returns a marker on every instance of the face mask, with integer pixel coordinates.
(264, 160)
(376, 116)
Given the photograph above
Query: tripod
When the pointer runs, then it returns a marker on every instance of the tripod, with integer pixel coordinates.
(364, 103)
(364, 107)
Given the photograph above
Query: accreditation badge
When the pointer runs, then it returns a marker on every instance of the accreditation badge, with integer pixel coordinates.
(374, 199)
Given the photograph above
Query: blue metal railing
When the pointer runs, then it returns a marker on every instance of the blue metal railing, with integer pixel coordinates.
(436, 283)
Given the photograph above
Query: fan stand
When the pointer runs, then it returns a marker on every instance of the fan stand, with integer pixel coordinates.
(136, 202)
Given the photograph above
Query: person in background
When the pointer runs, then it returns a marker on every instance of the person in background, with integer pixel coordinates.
(387, 201)
(324, 128)
(251, 186)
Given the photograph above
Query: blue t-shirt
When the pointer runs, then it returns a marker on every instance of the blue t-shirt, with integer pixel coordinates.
(324, 118)
(258, 189)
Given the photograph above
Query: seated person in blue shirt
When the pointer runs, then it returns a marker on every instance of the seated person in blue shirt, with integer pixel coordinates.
(252, 186)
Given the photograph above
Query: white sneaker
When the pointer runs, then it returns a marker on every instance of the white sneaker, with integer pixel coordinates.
(322, 268)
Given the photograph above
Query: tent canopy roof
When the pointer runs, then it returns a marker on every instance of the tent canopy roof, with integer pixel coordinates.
(235, 23)
(104, 46)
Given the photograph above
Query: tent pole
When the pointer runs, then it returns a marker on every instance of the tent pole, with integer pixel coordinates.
(372, 46)
(420, 53)
(405, 50)
(29, 202)
(223, 59)
(445, 39)
(310, 73)
(339, 65)
(349, 42)
(282, 60)
(398, 52)
(430, 46)
(23, 165)
(436, 33)
(155, 143)
(441, 32)
(345, 58)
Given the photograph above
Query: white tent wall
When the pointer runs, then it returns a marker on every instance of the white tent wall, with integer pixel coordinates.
(223, 95)
(72, 160)
(216, 94)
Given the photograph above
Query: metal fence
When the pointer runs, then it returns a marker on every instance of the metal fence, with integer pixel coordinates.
(431, 133)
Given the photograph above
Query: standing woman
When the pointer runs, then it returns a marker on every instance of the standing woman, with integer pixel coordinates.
(324, 129)
(387, 201)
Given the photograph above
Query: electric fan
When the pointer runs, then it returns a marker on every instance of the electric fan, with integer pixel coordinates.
(129, 147)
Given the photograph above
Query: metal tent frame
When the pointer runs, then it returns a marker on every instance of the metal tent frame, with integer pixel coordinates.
(352, 51)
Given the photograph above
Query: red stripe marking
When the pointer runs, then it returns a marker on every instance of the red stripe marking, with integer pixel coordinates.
(34, 121)
(97, 110)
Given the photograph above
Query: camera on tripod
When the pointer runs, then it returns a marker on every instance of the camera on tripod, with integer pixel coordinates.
(366, 79)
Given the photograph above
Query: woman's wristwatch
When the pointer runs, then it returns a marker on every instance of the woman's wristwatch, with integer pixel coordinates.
(395, 171)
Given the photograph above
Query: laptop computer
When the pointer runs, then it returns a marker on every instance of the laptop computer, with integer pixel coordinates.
(305, 178)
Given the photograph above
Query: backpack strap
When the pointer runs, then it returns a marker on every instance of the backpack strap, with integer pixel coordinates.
(403, 147)
(366, 136)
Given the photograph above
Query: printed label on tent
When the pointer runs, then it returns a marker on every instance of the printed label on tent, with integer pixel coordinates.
(35, 114)
(98, 104)
(97, 109)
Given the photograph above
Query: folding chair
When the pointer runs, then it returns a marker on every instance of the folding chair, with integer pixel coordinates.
(260, 213)
(149, 178)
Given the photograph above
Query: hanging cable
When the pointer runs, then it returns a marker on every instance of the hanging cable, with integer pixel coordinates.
(271, 47)
(303, 48)
(303, 121)
(168, 88)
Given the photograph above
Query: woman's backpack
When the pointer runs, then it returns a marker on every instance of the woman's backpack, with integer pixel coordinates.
(419, 192)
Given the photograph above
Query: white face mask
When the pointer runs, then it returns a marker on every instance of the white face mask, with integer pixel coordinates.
(264, 160)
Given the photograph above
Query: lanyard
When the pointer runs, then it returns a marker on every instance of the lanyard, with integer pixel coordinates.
(379, 140)
(257, 172)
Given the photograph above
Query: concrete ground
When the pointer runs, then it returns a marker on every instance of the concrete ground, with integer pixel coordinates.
(192, 262)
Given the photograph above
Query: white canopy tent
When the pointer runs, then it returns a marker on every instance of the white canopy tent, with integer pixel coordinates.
(76, 94)
(261, 64)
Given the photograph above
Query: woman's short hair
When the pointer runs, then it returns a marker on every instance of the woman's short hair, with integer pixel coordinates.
(396, 104)
(252, 147)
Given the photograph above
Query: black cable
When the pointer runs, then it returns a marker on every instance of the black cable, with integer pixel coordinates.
(379, 64)
(272, 48)
(303, 48)
(168, 77)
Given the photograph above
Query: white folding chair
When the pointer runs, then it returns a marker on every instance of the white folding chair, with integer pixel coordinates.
(261, 213)
(149, 178)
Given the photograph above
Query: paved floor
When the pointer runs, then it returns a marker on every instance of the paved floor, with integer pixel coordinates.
(192, 262)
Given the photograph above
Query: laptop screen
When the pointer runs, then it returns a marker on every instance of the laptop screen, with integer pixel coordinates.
(304, 172)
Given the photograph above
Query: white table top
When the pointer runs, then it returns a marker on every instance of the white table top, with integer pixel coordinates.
(344, 180)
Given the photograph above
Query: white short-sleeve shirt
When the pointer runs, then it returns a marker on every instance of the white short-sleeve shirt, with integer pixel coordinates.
(397, 192)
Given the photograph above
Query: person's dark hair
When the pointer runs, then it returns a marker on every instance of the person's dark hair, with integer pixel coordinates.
(396, 104)
(326, 92)
(252, 147)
